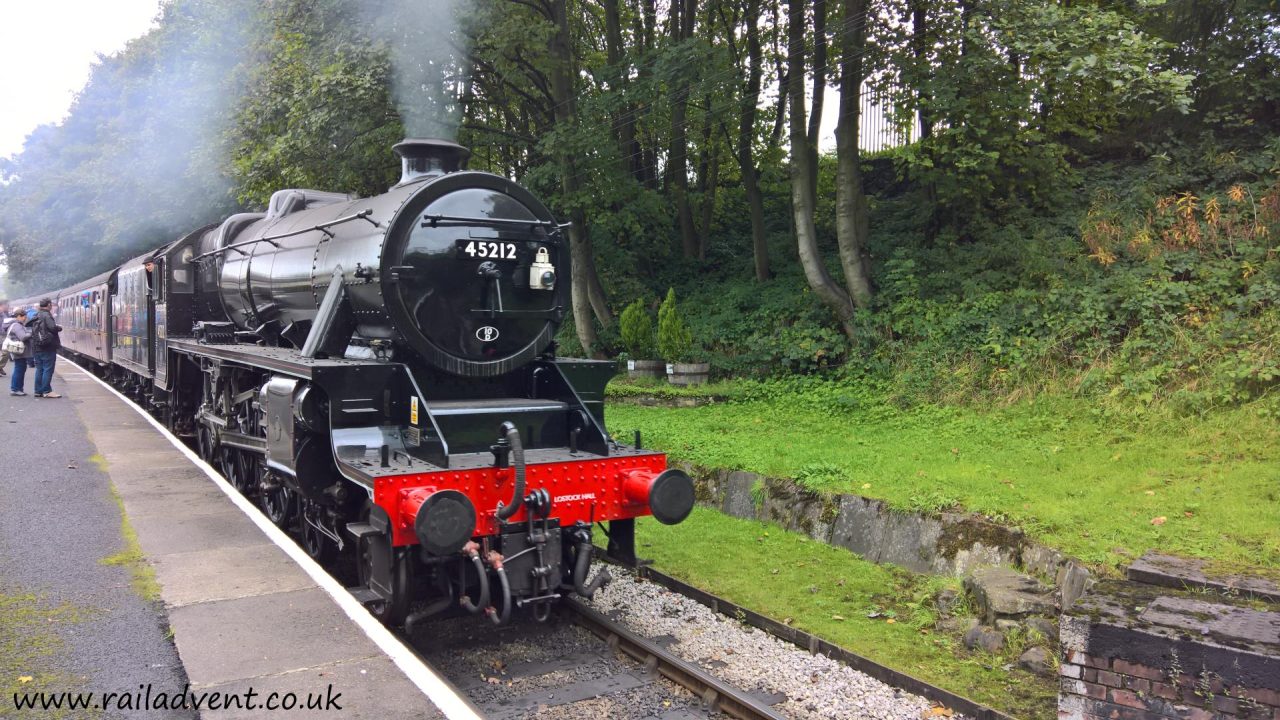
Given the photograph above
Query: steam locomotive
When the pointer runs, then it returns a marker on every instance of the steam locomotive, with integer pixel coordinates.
(380, 374)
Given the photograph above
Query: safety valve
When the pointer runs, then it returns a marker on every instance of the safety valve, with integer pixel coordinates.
(542, 274)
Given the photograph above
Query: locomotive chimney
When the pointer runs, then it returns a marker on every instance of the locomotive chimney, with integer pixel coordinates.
(425, 157)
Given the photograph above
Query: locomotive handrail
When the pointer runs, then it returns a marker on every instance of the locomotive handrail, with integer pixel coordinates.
(234, 246)
(435, 220)
(271, 239)
(324, 226)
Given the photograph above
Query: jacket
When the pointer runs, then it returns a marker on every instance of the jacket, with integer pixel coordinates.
(45, 318)
(18, 331)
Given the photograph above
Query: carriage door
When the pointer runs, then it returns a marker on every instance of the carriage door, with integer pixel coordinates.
(156, 291)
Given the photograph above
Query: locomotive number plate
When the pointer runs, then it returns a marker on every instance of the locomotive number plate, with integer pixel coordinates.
(486, 250)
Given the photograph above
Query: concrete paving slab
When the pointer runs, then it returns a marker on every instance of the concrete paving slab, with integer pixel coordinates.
(227, 573)
(161, 501)
(237, 639)
(366, 689)
(243, 614)
(193, 530)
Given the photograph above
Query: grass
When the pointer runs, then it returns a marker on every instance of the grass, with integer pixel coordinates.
(1101, 486)
(142, 575)
(28, 641)
(831, 592)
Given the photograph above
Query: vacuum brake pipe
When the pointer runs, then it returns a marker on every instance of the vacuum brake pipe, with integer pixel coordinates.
(495, 560)
(472, 551)
(512, 436)
(582, 567)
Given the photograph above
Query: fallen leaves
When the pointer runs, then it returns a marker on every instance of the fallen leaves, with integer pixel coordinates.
(24, 679)
(939, 711)
(1159, 520)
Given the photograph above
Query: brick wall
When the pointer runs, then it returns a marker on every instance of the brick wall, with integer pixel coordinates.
(1133, 653)
(1094, 688)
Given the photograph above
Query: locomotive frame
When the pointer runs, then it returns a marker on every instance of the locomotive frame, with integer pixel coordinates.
(386, 391)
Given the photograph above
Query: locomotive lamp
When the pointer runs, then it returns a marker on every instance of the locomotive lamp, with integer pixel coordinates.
(542, 274)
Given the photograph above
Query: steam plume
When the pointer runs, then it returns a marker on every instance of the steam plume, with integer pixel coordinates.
(429, 63)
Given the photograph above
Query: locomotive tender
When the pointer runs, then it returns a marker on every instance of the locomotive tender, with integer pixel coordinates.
(380, 373)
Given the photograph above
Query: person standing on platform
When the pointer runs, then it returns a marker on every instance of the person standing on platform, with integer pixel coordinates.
(5, 314)
(16, 334)
(45, 340)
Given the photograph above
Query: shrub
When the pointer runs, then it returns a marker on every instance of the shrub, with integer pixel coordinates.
(637, 331)
(675, 341)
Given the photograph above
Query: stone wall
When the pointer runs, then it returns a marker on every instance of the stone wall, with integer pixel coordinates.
(943, 544)
(1134, 652)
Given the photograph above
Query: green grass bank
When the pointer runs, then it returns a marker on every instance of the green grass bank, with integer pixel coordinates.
(1101, 484)
(833, 593)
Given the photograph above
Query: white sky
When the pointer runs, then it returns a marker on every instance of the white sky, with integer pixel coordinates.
(46, 50)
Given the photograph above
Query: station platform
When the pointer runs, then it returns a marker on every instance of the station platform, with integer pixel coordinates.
(179, 584)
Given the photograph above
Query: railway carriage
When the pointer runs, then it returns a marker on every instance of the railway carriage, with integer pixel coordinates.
(380, 373)
(84, 311)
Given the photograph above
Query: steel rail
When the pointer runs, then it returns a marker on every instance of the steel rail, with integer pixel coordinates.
(716, 693)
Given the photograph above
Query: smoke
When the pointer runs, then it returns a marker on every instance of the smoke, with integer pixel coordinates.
(429, 64)
(142, 156)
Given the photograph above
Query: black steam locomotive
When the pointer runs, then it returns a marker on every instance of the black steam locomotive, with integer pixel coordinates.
(380, 374)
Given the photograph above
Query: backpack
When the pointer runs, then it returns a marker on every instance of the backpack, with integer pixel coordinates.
(40, 336)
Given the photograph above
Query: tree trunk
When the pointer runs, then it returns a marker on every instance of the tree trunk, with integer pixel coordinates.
(565, 109)
(920, 49)
(625, 120)
(815, 271)
(708, 203)
(644, 27)
(746, 142)
(851, 202)
(819, 90)
(678, 158)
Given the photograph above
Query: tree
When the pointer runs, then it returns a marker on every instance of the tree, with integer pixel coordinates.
(748, 104)
(852, 222)
(802, 190)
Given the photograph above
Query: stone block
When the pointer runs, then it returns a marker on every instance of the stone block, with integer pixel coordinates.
(911, 541)
(999, 592)
(1170, 571)
(1048, 629)
(1036, 660)
(1067, 670)
(1041, 560)
(738, 500)
(860, 526)
(984, 638)
(1073, 580)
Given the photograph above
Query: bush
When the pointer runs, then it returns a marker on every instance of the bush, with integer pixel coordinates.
(637, 331)
(675, 341)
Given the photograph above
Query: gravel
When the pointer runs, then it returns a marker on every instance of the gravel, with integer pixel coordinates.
(539, 665)
(816, 687)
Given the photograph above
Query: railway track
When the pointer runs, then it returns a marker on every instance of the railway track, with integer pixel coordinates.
(579, 664)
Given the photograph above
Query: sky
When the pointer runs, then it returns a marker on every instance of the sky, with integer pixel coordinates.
(46, 50)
